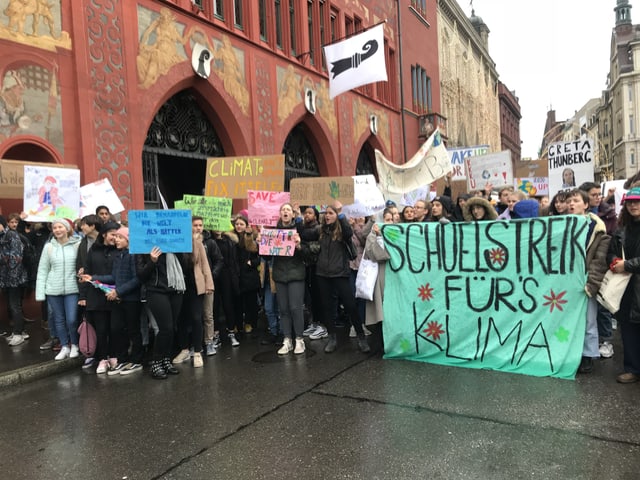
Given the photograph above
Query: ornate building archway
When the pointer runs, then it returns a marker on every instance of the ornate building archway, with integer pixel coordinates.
(174, 156)
(299, 157)
(366, 161)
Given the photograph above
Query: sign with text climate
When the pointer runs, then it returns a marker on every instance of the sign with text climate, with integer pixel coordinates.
(497, 295)
(570, 164)
(231, 177)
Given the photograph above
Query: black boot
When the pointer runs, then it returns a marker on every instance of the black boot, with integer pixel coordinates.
(362, 343)
(157, 371)
(332, 344)
(168, 367)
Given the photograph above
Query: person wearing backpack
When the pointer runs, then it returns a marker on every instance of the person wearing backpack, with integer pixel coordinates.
(12, 277)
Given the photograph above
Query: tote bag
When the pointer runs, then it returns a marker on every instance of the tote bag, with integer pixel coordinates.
(366, 278)
(88, 340)
(612, 289)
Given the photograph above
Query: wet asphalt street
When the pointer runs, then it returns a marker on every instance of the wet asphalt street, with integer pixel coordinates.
(249, 414)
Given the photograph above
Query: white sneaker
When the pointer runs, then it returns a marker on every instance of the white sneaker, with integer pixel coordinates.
(310, 329)
(606, 350)
(234, 341)
(352, 332)
(367, 332)
(319, 333)
(16, 340)
(197, 360)
(286, 347)
(74, 353)
(103, 366)
(300, 346)
(63, 353)
(183, 356)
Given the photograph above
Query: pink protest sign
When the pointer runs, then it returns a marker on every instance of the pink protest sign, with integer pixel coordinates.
(274, 241)
(264, 207)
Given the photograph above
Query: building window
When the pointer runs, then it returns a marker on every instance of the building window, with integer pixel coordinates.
(262, 14)
(333, 25)
(630, 92)
(421, 89)
(198, 3)
(323, 39)
(237, 13)
(348, 26)
(278, 15)
(632, 127)
(420, 6)
(312, 50)
(632, 157)
(292, 26)
(218, 10)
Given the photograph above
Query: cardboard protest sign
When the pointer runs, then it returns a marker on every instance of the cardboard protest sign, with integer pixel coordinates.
(322, 190)
(12, 176)
(493, 168)
(275, 241)
(368, 198)
(497, 295)
(169, 230)
(533, 186)
(232, 177)
(99, 193)
(264, 207)
(215, 212)
(570, 164)
(458, 156)
(50, 193)
(429, 163)
(531, 168)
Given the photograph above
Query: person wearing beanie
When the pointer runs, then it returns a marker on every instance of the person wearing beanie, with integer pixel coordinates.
(13, 276)
(477, 209)
(441, 209)
(528, 208)
(56, 282)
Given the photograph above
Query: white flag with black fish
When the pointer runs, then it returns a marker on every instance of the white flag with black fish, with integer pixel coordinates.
(356, 61)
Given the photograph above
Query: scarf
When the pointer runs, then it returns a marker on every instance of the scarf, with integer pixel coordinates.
(175, 277)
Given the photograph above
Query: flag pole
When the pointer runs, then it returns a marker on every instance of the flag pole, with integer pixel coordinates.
(404, 131)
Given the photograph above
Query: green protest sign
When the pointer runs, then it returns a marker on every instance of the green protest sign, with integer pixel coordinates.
(215, 212)
(497, 295)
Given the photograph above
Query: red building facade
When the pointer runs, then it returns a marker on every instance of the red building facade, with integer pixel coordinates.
(110, 87)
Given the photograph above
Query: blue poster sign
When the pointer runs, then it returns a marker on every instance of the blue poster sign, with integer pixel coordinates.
(169, 230)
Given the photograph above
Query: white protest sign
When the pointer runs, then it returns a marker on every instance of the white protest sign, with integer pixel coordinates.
(458, 156)
(493, 168)
(99, 193)
(410, 198)
(50, 193)
(570, 164)
(618, 194)
(368, 199)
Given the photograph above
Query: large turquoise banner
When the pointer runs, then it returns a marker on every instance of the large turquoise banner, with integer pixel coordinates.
(498, 295)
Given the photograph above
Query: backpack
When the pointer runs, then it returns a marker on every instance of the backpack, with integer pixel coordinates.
(28, 253)
(87, 342)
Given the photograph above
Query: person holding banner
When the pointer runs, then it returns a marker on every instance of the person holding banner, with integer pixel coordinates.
(332, 272)
(441, 209)
(596, 254)
(627, 237)
(289, 274)
(56, 282)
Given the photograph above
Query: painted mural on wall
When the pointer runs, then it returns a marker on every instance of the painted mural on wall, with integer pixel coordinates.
(30, 104)
(361, 122)
(228, 64)
(33, 22)
(161, 45)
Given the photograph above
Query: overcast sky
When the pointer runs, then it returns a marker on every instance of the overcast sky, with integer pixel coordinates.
(553, 53)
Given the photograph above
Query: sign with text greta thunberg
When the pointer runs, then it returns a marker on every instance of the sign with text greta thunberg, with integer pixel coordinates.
(498, 295)
(570, 164)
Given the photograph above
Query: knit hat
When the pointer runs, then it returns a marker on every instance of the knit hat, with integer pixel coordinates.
(445, 201)
(109, 226)
(68, 224)
(123, 232)
(390, 203)
(244, 213)
(633, 194)
(526, 209)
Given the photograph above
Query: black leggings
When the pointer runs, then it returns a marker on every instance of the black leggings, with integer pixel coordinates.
(165, 308)
(342, 288)
(191, 321)
(125, 323)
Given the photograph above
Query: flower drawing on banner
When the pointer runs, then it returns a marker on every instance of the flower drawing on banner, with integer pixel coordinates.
(434, 330)
(562, 334)
(554, 301)
(426, 292)
(497, 256)
(277, 242)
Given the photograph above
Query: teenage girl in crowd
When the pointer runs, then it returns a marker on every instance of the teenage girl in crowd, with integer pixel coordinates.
(332, 271)
(249, 286)
(99, 261)
(289, 274)
(13, 276)
(315, 331)
(198, 282)
(57, 283)
(227, 285)
(163, 279)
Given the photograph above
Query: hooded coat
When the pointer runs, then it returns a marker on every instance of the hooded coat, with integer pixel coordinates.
(491, 213)
(629, 238)
(12, 271)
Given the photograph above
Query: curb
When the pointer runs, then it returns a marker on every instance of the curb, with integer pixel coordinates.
(29, 374)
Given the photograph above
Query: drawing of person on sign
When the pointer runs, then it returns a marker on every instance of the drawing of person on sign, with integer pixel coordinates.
(568, 178)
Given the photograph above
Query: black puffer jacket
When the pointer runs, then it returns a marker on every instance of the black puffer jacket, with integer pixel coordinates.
(332, 260)
(153, 276)
(248, 262)
(289, 269)
(629, 236)
(99, 261)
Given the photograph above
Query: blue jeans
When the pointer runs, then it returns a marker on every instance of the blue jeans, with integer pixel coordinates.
(271, 309)
(65, 315)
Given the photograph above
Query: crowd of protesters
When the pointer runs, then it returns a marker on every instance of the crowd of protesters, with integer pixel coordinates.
(179, 307)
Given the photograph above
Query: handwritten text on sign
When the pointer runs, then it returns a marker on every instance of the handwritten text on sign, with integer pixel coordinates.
(500, 295)
(231, 177)
(215, 212)
(169, 230)
(274, 241)
(264, 207)
(322, 190)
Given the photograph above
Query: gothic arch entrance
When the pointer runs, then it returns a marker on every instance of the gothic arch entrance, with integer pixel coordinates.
(299, 159)
(174, 156)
